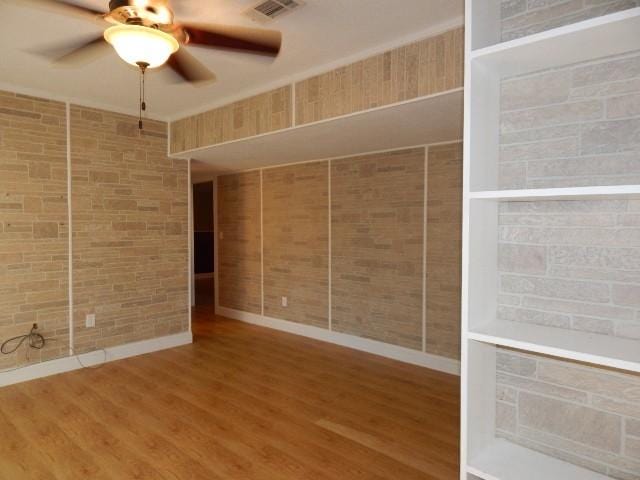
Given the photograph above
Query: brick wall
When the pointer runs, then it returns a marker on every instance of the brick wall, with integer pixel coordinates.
(426, 67)
(571, 264)
(252, 116)
(525, 17)
(572, 126)
(33, 224)
(444, 250)
(239, 244)
(422, 68)
(579, 413)
(377, 217)
(130, 246)
(129, 211)
(296, 242)
(377, 245)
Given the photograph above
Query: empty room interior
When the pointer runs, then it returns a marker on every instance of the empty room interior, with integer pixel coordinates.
(320, 240)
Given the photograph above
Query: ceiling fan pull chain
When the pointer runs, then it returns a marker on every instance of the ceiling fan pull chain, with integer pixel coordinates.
(143, 105)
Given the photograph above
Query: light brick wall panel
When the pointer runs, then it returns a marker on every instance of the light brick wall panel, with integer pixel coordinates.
(130, 247)
(525, 17)
(296, 243)
(444, 247)
(377, 246)
(239, 249)
(423, 68)
(33, 225)
(579, 413)
(571, 264)
(256, 115)
(573, 126)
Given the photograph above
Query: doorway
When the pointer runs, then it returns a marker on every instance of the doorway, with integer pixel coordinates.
(203, 245)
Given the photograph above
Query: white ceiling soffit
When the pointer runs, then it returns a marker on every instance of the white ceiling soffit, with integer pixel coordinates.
(429, 120)
(320, 35)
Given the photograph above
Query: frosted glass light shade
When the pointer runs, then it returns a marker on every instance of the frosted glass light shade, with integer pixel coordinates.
(134, 44)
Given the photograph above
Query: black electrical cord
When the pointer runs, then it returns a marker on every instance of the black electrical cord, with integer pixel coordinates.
(36, 341)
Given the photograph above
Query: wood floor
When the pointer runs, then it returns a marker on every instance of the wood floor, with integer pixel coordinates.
(241, 403)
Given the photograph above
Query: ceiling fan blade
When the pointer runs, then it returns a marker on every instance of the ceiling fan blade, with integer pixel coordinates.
(76, 53)
(66, 7)
(189, 68)
(250, 40)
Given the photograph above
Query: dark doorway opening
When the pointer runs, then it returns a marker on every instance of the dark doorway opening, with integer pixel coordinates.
(204, 244)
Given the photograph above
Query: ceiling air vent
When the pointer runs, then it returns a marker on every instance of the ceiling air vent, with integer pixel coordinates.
(266, 11)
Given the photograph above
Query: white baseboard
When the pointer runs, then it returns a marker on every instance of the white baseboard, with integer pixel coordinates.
(67, 364)
(394, 352)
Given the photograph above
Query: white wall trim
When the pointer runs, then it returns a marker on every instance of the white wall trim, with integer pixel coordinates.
(95, 358)
(340, 157)
(425, 230)
(190, 239)
(69, 228)
(261, 243)
(329, 252)
(374, 347)
(216, 242)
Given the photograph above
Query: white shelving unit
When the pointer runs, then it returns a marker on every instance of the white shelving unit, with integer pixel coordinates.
(483, 455)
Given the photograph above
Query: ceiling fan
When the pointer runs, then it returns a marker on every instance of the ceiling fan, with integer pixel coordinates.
(145, 34)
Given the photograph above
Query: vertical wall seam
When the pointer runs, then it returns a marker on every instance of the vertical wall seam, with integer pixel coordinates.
(424, 250)
(294, 118)
(330, 238)
(169, 142)
(69, 230)
(216, 248)
(261, 246)
(190, 240)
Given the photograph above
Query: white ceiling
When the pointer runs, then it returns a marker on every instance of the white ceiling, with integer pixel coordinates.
(319, 36)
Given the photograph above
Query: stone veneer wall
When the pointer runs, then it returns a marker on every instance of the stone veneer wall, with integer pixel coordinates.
(377, 242)
(579, 413)
(572, 126)
(426, 67)
(296, 242)
(249, 117)
(129, 211)
(525, 17)
(444, 250)
(571, 264)
(130, 231)
(422, 68)
(377, 221)
(239, 242)
(34, 227)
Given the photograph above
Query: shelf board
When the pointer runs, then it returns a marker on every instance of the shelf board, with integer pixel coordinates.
(587, 347)
(503, 460)
(571, 193)
(611, 34)
(433, 119)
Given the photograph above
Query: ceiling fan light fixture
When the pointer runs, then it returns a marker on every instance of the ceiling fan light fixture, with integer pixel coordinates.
(137, 44)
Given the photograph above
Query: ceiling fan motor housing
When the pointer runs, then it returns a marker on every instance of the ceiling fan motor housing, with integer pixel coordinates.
(151, 14)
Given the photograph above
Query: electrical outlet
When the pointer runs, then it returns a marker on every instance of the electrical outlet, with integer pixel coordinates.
(90, 320)
(285, 302)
